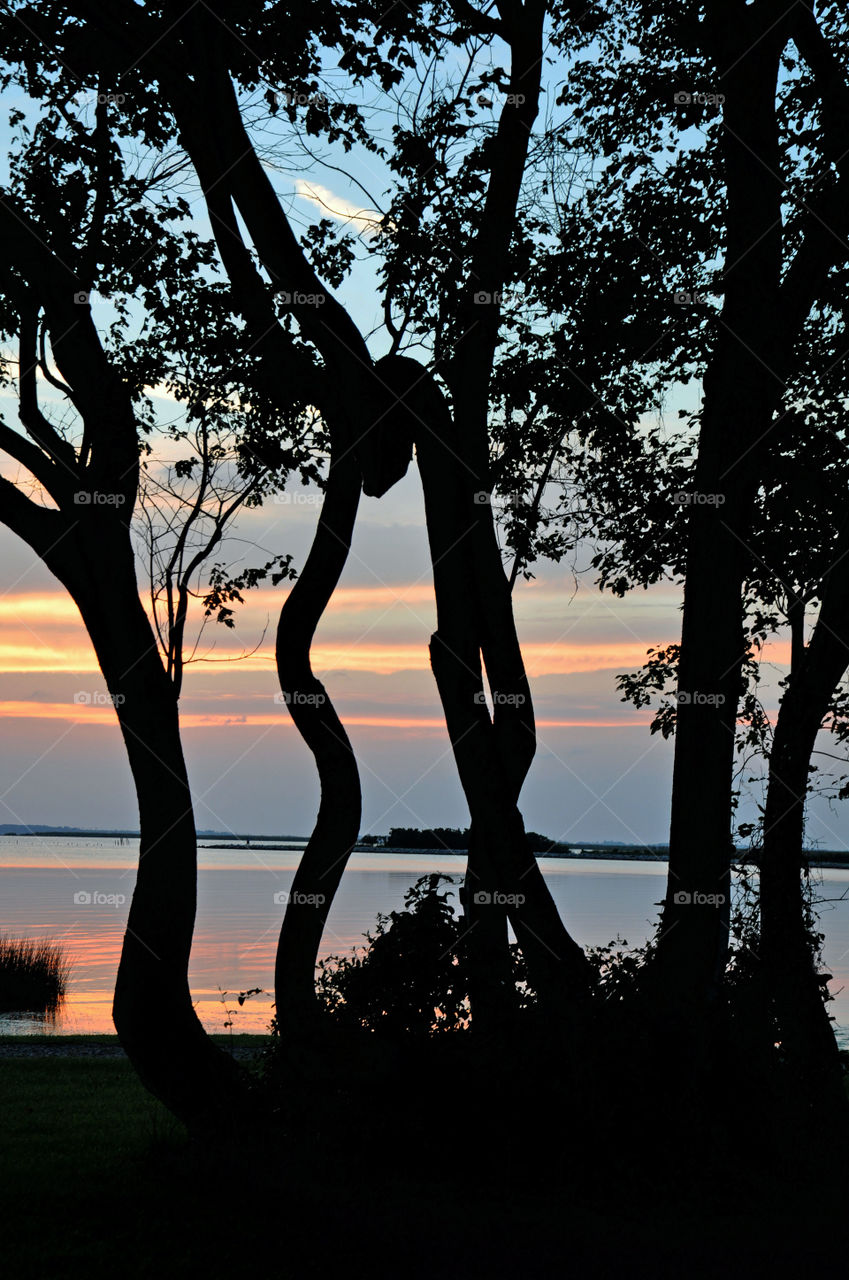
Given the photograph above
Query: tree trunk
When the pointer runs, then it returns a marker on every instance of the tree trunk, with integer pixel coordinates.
(742, 388)
(338, 823)
(804, 1028)
(152, 1010)
(558, 968)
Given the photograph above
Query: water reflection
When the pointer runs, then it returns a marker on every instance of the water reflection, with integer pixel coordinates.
(238, 921)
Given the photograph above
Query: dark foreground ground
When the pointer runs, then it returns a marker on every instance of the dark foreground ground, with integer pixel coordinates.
(97, 1180)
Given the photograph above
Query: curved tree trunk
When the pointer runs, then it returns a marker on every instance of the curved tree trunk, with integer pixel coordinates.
(232, 166)
(557, 965)
(89, 549)
(338, 823)
(153, 1011)
(804, 1028)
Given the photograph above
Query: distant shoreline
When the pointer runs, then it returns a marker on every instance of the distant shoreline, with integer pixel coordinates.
(833, 859)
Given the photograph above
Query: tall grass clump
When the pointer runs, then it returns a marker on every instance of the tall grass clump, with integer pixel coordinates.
(33, 975)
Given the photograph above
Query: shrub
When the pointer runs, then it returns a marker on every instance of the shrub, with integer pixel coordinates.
(409, 979)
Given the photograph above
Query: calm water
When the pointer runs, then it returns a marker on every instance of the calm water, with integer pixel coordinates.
(79, 891)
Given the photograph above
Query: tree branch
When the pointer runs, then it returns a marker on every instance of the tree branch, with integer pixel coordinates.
(477, 21)
(39, 527)
(36, 462)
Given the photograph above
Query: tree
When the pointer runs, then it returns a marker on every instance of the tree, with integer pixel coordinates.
(761, 189)
(79, 215)
(84, 538)
(232, 178)
(543, 328)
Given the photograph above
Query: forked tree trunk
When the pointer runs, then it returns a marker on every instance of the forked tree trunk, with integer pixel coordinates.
(557, 965)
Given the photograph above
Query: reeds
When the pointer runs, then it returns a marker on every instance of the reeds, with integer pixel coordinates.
(33, 975)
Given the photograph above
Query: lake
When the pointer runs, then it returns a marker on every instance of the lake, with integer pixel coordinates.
(78, 891)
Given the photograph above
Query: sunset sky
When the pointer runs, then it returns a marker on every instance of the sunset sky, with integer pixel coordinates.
(247, 761)
(598, 775)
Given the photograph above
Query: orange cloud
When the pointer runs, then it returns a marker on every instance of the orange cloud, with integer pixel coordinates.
(22, 653)
(42, 632)
(102, 713)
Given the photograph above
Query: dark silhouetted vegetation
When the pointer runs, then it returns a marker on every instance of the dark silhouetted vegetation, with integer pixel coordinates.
(583, 214)
(33, 975)
(450, 838)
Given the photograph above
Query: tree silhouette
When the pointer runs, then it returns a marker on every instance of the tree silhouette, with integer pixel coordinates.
(531, 320)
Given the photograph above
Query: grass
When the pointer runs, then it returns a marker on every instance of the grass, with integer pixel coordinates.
(242, 1040)
(79, 1140)
(99, 1181)
(33, 975)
